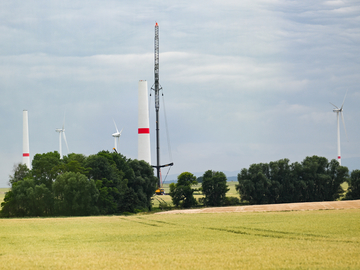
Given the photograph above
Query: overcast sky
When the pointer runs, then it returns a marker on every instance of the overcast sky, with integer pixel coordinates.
(243, 81)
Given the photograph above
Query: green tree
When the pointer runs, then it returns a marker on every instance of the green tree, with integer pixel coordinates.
(80, 158)
(354, 186)
(109, 181)
(74, 163)
(181, 193)
(75, 195)
(143, 182)
(45, 168)
(21, 171)
(27, 199)
(297, 194)
(105, 183)
(282, 187)
(315, 179)
(199, 179)
(128, 184)
(254, 185)
(323, 179)
(214, 187)
(338, 174)
(314, 173)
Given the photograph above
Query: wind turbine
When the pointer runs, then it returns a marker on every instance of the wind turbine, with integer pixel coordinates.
(339, 111)
(62, 131)
(116, 136)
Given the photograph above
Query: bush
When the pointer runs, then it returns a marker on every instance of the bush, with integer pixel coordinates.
(231, 201)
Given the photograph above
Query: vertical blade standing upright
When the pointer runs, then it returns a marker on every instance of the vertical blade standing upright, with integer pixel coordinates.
(143, 123)
(26, 151)
(156, 87)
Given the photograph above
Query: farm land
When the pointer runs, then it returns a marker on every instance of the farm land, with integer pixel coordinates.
(322, 239)
(328, 239)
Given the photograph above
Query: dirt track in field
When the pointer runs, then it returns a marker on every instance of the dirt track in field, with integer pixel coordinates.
(355, 204)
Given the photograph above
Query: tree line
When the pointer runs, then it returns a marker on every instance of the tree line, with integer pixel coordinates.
(109, 183)
(314, 179)
(104, 183)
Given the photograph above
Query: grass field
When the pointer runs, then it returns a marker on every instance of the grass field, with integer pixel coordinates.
(273, 240)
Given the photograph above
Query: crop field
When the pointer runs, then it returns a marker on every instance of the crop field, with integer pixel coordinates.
(328, 239)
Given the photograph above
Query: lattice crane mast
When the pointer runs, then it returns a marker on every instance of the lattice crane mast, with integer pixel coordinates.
(157, 87)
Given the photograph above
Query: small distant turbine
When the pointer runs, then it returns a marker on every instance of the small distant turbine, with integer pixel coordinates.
(338, 111)
(116, 136)
(62, 131)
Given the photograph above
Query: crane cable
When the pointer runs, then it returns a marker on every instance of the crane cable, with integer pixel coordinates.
(167, 138)
(167, 130)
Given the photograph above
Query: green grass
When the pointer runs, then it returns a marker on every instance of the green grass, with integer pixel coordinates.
(272, 240)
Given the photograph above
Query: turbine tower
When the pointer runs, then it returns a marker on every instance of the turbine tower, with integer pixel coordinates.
(116, 136)
(62, 131)
(339, 111)
(156, 87)
(143, 123)
(26, 151)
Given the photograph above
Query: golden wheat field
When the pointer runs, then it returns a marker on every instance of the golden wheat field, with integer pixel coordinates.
(327, 239)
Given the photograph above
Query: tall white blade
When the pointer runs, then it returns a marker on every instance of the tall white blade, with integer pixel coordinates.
(342, 118)
(334, 105)
(121, 131)
(116, 126)
(343, 100)
(65, 141)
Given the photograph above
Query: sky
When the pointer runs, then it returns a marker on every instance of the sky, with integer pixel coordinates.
(243, 81)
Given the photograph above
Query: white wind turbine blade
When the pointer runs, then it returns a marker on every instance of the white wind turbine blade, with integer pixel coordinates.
(116, 126)
(334, 105)
(65, 141)
(121, 131)
(342, 118)
(343, 100)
